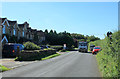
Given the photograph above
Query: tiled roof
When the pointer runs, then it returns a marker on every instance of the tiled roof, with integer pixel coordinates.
(2, 20)
(12, 22)
(21, 25)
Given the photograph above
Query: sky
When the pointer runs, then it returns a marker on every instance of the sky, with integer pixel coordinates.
(87, 18)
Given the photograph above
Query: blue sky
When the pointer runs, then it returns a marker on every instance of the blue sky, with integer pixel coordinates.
(88, 18)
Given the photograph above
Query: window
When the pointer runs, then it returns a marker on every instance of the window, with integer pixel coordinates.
(14, 31)
(23, 34)
(3, 29)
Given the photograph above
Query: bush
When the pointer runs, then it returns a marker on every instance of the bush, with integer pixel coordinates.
(31, 46)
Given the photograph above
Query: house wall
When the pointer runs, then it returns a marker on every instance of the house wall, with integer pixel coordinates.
(11, 31)
(16, 29)
(25, 30)
(18, 32)
(21, 32)
(7, 31)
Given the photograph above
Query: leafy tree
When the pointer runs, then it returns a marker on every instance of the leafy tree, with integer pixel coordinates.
(51, 31)
(46, 31)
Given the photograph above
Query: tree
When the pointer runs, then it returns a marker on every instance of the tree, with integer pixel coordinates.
(51, 32)
(46, 31)
(55, 32)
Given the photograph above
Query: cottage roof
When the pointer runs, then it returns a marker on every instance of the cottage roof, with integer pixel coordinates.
(2, 20)
(12, 23)
(21, 25)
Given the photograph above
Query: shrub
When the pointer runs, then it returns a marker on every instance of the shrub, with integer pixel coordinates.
(31, 46)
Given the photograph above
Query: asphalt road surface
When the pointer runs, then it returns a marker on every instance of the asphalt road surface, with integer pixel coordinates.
(71, 64)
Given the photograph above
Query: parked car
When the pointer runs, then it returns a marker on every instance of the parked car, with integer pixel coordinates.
(96, 50)
(91, 47)
(10, 49)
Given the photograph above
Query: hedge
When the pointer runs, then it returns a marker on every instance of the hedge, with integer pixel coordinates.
(108, 59)
(31, 55)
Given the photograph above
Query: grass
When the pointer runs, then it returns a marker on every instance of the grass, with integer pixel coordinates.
(3, 68)
(51, 56)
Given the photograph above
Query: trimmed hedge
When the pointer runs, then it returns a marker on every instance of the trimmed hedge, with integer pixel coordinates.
(31, 55)
(31, 46)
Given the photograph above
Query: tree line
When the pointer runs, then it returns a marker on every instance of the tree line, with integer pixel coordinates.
(54, 38)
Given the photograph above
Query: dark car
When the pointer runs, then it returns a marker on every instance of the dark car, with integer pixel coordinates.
(91, 47)
(10, 49)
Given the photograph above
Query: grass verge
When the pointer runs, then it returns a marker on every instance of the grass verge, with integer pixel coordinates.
(51, 56)
(3, 68)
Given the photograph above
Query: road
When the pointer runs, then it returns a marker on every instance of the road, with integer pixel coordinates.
(71, 64)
